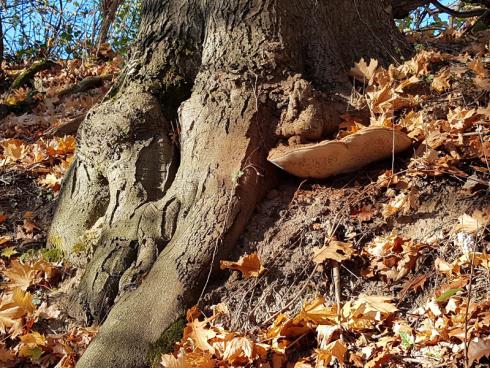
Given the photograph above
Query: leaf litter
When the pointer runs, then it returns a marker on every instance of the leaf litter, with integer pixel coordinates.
(408, 300)
(412, 244)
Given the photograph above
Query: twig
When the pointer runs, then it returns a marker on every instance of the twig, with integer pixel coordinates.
(336, 282)
(472, 268)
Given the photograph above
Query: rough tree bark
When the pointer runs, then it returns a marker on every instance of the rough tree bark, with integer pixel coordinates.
(153, 217)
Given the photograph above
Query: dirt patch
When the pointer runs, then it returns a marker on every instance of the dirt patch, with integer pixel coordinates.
(297, 216)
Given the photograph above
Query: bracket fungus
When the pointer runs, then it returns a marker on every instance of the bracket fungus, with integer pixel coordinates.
(331, 157)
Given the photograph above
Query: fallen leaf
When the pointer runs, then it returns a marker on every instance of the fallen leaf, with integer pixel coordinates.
(334, 250)
(8, 252)
(20, 275)
(23, 300)
(200, 334)
(440, 83)
(478, 348)
(363, 71)
(478, 67)
(248, 265)
(239, 351)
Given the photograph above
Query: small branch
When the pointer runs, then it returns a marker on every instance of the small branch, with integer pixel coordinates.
(458, 14)
(336, 282)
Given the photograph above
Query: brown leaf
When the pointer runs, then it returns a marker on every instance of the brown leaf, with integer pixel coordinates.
(248, 265)
(20, 275)
(440, 83)
(478, 67)
(363, 71)
(238, 351)
(413, 284)
(201, 334)
(23, 300)
(10, 317)
(479, 347)
(334, 250)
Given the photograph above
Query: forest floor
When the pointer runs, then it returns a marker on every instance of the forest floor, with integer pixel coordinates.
(387, 266)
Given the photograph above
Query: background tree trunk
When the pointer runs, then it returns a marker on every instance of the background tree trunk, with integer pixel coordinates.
(109, 11)
(154, 217)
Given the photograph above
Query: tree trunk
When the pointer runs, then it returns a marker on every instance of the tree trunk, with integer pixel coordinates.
(153, 214)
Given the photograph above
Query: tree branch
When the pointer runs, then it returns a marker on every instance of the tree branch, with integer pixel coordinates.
(401, 8)
(458, 14)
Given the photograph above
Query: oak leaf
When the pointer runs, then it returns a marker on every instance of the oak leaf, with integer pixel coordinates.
(478, 67)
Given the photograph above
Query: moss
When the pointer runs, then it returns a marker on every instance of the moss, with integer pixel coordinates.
(52, 254)
(55, 240)
(165, 343)
(79, 248)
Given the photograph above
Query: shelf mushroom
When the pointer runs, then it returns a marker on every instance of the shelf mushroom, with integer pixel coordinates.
(332, 157)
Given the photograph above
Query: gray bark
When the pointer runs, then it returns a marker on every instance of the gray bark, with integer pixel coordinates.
(153, 218)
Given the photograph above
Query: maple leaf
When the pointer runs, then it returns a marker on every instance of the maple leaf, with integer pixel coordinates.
(169, 361)
(14, 149)
(334, 250)
(51, 181)
(249, 265)
(238, 350)
(478, 67)
(441, 82)
(407, 83)
(20, 275)
(10, 318)
(364, 71)
(478, 348)
(23, 300)
(335, 349)
(6, 356)
(8, 252)
(3, 218)
(200, 335)
(373, 307)
(325, 334)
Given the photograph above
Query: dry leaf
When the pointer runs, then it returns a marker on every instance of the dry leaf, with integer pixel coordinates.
(200, 334)
(478, 67)
(239, 351)
(363, 71)
(20, 275)
(441, 82)
(334, 250)
(478, 348)
(335, 349)
(248, 265)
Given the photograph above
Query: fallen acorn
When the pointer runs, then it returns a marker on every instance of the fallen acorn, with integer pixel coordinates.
(331, 157)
